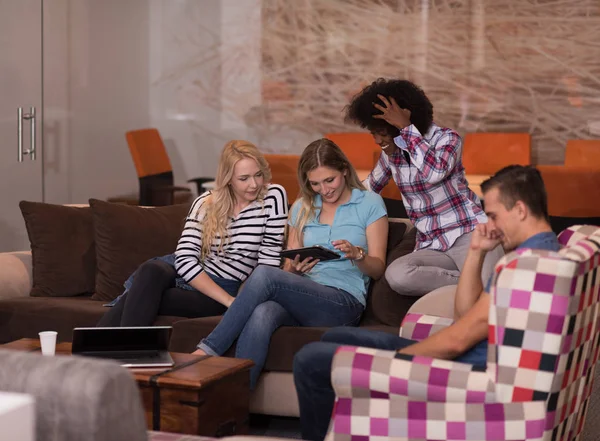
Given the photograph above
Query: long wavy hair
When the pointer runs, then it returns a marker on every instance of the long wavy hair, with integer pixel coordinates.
(320, 153)
(221, 201)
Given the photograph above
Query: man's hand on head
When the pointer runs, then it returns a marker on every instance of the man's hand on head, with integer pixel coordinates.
(485, 238)
(392, 113)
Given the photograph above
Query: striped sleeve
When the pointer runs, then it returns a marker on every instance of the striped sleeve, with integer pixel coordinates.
(269, 251)
(187, 254)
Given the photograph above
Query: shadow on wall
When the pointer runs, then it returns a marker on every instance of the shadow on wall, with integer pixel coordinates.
(179, 172)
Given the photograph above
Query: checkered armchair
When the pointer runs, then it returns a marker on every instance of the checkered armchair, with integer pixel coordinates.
(543, 346)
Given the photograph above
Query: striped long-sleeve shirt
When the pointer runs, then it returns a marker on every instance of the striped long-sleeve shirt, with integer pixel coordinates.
(254, 237)
(429, 173)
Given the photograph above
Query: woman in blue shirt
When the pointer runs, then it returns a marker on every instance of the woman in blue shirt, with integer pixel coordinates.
(336, 212)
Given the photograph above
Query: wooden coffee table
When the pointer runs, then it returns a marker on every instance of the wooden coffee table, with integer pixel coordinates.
(199, 395)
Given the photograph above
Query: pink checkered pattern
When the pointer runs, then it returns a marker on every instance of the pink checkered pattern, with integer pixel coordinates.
(420, 326)
(543, 346)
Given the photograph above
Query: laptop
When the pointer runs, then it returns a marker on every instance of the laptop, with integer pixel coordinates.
(144, 346)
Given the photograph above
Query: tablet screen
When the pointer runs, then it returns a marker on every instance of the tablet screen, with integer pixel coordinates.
(316, 252)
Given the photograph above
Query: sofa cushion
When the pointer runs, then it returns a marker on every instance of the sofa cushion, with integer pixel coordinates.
(126, 236)
(285, 342)
(62, 249)
(384, 305)
(24, 317)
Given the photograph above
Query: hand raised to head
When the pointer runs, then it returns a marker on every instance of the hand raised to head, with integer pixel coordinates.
(485, 238)
(392, 113)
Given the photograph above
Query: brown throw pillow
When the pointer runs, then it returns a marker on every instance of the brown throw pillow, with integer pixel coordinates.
(384, 305)
(127, 236)
(62, 249)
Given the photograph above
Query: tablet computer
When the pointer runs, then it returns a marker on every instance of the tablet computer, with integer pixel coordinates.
(316, 252)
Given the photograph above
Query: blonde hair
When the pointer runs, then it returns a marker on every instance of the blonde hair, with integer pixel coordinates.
(220, 203)
(320, 153)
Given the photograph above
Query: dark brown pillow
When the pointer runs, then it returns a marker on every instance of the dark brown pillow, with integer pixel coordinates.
(126, 236)
(62, 249)
(385, 305)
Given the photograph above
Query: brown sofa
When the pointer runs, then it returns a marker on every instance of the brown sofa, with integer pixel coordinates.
(22, 315)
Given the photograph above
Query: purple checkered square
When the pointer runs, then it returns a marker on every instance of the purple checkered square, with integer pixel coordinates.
(555, 324)
(417, 429)
(398, 386)
(544, 283)
(379, 427)
(417, 410)
(422, 331)
(520, 299)
(456, 430)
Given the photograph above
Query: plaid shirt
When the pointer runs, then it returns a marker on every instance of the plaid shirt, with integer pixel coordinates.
(434, 189)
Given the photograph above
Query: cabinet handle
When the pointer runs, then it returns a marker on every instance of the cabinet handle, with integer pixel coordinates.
(31, 118)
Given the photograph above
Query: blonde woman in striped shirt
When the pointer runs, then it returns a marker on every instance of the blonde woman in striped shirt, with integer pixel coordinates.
(228, 232)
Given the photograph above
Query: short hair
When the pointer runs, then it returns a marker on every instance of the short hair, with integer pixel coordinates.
(520, 183)
(408, 96)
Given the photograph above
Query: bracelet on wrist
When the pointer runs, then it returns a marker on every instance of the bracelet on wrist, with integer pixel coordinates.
(361, 255)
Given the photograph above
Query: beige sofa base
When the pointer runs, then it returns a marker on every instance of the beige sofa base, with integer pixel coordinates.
(275, 394)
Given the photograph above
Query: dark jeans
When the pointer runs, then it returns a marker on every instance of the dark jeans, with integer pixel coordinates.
(312, 372)
(153, 293)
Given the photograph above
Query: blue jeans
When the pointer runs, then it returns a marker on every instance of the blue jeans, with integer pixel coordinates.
(272, 298)
(312, 372)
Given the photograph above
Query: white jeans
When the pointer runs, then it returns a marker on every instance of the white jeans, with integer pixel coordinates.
(422, 271)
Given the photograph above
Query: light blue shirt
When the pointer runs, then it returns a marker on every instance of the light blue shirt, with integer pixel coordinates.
(350, 223)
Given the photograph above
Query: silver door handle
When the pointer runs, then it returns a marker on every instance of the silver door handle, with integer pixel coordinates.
(31, 117)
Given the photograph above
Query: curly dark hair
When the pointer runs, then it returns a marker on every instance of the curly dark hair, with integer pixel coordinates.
(408, 96)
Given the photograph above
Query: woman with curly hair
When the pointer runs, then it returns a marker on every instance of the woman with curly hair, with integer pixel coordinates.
(228, 232)
(425, 161)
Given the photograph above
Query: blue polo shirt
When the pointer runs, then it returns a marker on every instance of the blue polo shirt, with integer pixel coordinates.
(350, 223)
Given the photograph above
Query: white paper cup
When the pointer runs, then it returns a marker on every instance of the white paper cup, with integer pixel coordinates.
(48, 342)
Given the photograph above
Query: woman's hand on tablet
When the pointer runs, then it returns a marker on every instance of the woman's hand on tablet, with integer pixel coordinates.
(351, 252)
(301, 267)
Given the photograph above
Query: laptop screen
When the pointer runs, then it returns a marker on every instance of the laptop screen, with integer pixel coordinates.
(121, 339)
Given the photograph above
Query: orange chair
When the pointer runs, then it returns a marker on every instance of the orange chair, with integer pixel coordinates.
(358, 147)
(154, 170)
(486, 153)
(573, 192)
(583, 153)
(284, 169)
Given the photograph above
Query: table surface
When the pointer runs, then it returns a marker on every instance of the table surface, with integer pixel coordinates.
(190, 371)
